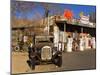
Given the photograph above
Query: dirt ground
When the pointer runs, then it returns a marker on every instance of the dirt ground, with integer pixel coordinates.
(71, 61)
(19, 64)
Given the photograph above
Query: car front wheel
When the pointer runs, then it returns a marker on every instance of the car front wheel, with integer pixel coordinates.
(58, 61)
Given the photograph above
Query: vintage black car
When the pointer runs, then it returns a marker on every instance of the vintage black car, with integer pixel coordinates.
(44, 52)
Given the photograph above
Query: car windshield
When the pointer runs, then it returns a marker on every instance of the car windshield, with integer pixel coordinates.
(43, 41)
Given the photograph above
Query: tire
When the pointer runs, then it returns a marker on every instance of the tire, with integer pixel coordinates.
(16, 48)
(58, 61)
(33, 63)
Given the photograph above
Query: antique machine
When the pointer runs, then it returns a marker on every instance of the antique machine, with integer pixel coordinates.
(44, 52)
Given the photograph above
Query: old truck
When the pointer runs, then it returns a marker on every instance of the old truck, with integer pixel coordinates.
(42, 51)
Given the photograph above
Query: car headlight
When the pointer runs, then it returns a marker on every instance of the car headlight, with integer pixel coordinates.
(54, 50)
(59, 55)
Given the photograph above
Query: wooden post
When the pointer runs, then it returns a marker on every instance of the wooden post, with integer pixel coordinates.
(82, 30)
(48, 25)
(64, 35)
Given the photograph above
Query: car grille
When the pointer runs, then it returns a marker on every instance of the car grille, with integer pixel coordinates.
(46, 53)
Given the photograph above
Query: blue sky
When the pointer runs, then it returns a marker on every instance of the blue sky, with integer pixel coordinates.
(76, 9)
